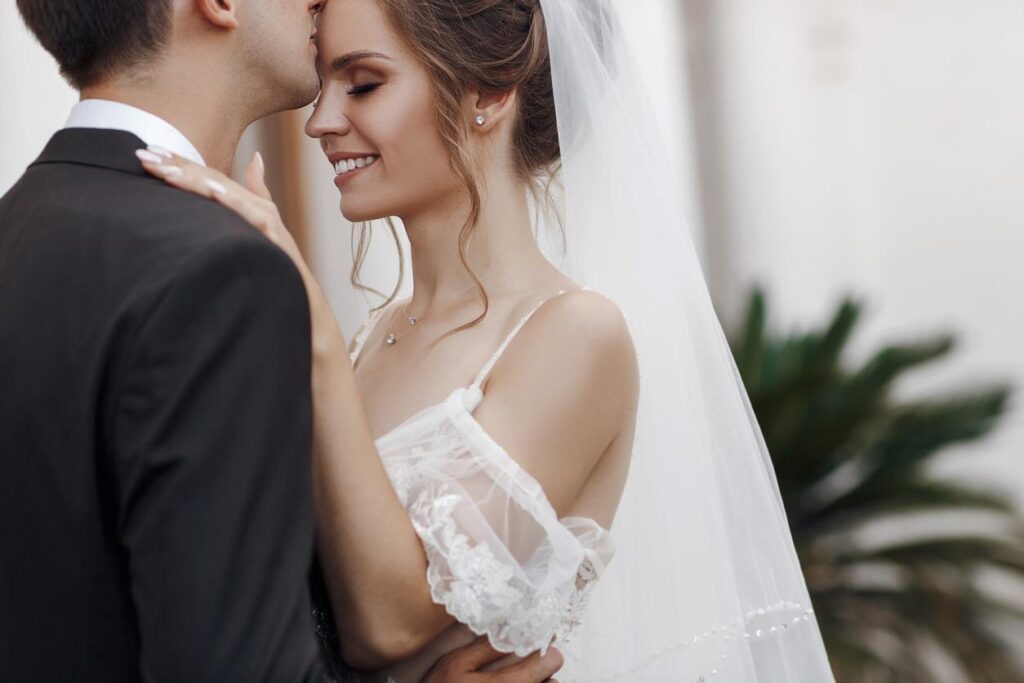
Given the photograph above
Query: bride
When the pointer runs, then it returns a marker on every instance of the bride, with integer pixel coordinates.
(472, 443)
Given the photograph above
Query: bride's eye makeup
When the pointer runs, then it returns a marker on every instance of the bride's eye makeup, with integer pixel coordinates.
(363, 79)
(363, 89)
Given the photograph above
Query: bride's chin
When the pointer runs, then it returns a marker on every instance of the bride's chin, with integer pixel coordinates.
(356, 215)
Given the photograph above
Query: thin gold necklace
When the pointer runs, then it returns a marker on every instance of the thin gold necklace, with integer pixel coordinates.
(392, 338)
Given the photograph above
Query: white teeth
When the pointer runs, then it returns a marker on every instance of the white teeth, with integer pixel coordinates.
(345, 165)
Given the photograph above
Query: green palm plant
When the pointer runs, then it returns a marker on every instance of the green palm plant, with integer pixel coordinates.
(848, 456)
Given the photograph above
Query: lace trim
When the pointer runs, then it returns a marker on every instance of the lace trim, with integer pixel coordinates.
(793, 614)
(476, 587)
(586, 576)
(481, 591)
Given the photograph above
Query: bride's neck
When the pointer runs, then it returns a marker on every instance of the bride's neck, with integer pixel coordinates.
(501, 250)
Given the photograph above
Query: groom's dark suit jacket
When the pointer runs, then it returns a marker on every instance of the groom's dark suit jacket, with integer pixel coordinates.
(156, 517)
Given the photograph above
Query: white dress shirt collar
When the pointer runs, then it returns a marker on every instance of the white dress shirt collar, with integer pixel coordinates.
(150, 128)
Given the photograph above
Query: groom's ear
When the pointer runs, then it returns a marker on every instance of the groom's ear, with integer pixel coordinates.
(494, 107)
(220, 13)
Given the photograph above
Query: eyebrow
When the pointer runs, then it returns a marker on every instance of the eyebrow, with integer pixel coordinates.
(352, 57)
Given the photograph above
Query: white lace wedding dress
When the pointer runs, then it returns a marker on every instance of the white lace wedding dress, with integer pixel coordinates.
(501, 561)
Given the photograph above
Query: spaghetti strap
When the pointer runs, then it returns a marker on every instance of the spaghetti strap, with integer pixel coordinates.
(482, 375)
(371, 322)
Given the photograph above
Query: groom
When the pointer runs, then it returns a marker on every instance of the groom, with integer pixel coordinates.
(155, 411)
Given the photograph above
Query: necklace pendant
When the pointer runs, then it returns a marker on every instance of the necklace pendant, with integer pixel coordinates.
(390, 341)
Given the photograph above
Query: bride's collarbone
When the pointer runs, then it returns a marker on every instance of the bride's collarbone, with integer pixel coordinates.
(424, 364)
(435, 341)
(417, 349)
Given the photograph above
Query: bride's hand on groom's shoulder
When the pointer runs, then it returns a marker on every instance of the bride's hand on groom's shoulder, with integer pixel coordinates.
(251, 201)
(464, 666)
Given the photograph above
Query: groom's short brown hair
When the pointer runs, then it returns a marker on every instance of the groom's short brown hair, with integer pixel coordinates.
(94, 39)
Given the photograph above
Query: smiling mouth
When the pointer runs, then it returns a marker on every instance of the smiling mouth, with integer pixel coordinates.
(345, 166)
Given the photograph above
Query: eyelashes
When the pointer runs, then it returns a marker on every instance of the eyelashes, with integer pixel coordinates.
(364, 89)
(355, 91)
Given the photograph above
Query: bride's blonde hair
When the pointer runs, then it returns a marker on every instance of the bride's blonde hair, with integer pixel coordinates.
(490, 45)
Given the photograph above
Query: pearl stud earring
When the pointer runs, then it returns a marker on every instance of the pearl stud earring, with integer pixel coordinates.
(481, 119)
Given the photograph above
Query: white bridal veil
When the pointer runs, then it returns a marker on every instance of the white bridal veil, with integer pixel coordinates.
(705, 584)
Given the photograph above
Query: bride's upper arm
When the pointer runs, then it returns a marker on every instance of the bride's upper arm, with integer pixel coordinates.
(563, 391)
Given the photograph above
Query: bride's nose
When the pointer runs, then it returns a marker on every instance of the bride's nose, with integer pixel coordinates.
(328, 118)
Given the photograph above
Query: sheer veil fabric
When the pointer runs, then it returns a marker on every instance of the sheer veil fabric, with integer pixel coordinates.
(705, 584)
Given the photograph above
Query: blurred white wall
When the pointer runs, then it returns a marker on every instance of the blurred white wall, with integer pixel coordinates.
(945, 87)
(35, 101)
(873, 147)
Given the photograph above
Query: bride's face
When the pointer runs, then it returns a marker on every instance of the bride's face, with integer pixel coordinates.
(376, 112)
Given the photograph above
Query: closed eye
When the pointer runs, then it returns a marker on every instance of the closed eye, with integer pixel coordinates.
(364, 89)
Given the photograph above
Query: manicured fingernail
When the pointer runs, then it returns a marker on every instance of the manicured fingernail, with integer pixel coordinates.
(215, 186)
(161, 151)
(148, 157)
(168, 171)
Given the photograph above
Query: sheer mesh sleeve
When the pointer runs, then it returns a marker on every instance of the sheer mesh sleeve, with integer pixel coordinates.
(500, 560)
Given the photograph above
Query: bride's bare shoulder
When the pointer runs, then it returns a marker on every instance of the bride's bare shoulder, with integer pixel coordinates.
(584, 321)
(565, 389)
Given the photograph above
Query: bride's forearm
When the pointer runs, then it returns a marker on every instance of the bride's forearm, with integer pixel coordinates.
(373, 559)
(326, 334)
